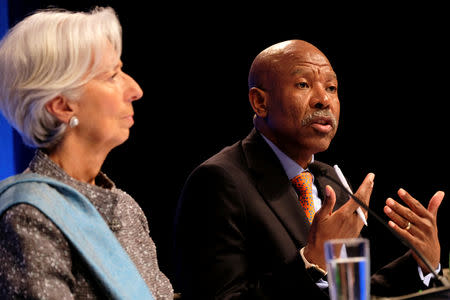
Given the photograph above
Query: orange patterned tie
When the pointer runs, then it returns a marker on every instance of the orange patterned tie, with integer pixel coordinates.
(303, 184)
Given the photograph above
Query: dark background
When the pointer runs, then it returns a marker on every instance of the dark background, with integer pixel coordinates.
(192, 62)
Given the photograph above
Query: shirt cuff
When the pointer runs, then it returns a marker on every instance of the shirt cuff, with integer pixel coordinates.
(426, 279)
(310, 265)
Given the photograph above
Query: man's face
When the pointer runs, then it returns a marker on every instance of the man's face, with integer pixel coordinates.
(303, 102)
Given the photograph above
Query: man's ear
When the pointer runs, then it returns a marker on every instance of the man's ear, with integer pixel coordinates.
(60, 108)
(258, 101)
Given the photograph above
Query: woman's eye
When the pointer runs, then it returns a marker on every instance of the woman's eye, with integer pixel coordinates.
(302, 85)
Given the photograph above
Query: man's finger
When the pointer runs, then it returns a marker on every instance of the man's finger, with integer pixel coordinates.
(328, 204)
(364, 192)
(400, 221)
(435, 202)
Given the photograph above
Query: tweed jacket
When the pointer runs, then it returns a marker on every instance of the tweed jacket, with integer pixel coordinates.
(38, 262)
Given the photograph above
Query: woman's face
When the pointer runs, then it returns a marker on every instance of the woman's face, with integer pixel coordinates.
(105, 110)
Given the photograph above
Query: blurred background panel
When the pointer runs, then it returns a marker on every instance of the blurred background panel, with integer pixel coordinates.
(7, 166)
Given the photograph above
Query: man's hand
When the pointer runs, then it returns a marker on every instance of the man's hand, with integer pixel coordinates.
(343, 223)
(417, 224)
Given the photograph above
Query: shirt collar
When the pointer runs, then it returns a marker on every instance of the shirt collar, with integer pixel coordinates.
(291, 168)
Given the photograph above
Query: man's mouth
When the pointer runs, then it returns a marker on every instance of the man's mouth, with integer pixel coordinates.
(322, 124)
(322, 121)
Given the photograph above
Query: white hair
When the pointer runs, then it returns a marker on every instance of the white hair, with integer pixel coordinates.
(50, 53)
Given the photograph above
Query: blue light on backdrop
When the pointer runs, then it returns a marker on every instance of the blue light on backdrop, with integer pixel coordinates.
(7, 167)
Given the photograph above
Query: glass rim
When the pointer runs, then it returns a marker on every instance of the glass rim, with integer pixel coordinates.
(348, 241)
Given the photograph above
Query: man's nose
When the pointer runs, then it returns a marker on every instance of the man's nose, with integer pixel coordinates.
(320, 98)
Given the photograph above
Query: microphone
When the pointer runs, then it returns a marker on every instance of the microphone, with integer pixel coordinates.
(320, 170)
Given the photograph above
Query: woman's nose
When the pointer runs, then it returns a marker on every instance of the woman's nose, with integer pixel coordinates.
(134, 91)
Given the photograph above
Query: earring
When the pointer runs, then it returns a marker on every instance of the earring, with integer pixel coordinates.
(73, 122)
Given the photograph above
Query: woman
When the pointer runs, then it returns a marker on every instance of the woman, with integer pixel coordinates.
(66, 231)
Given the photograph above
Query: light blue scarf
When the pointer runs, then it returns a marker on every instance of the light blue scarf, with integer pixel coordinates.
(83, 226)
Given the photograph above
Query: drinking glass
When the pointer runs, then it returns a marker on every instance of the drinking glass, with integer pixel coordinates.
(348, 267)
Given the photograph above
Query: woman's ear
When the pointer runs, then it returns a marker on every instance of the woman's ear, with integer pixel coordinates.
(258, 101)
(60, 108)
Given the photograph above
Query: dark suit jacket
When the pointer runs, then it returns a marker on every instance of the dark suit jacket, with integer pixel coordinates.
(239, 228)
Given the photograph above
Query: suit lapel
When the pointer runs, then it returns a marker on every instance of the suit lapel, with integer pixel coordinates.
(275, 187)
(322, 181)
(277, 190)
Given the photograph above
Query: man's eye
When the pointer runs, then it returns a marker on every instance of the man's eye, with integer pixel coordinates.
(332, 89)
(302, 85)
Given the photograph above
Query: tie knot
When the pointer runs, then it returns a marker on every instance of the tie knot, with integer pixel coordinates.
(303, 181)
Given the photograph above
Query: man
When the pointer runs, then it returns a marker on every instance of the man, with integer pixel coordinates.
(241, 231)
